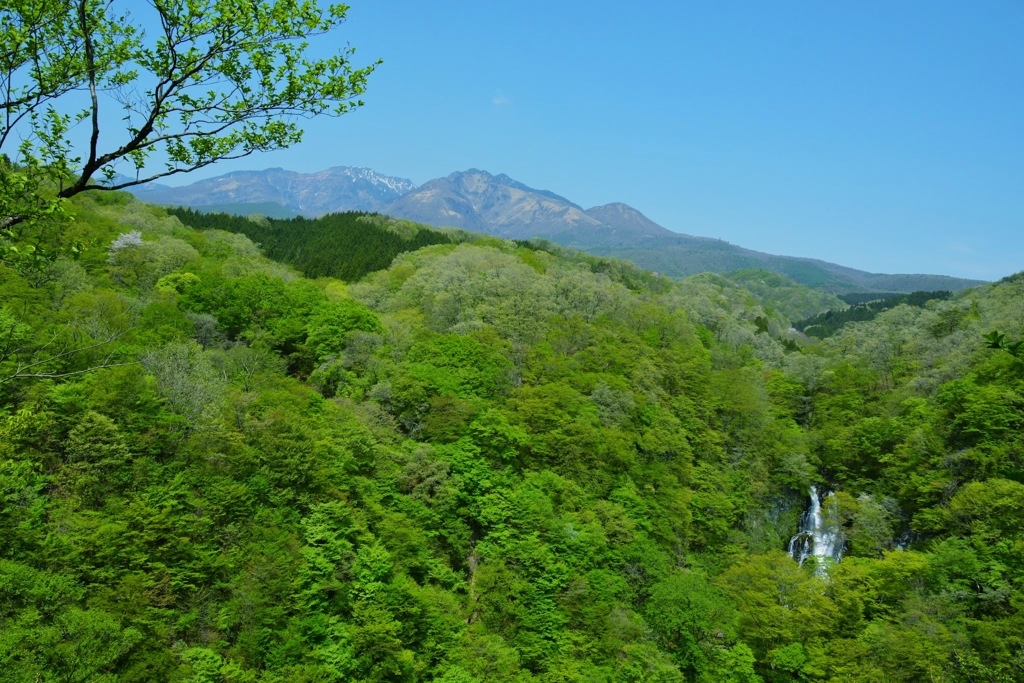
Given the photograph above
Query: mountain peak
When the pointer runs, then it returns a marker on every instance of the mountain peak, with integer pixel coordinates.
(616, 206)
(470, 172)
(625, 218)
(478, 200)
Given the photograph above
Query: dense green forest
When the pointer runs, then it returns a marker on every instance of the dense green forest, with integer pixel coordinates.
(342, 245)
(486, 461)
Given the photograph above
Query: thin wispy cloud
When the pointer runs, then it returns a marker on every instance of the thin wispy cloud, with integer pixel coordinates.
(500, 99)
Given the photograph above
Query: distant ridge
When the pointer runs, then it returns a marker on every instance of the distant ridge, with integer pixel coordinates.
(342, 188)
(498, 205)
(683, 255)
(479, 201)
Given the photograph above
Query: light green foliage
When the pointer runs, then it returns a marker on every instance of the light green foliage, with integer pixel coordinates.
(28, 193)
(328, 328)
(461, 365)
(733, 665)
(868, 524)
(248, 366)
(47, 637)
(691, 618)
(230, 245)
(14, 334)
(778, 603)
(176, 283)
(142, 218)
(778, 293)
(457, 674)
(43, 342)
(988, 508)
(95, 456)
(66, 278)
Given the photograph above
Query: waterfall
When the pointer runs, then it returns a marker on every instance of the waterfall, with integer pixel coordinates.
(817, 537)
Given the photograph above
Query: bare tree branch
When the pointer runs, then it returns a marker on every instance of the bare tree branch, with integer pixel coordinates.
(30, 359)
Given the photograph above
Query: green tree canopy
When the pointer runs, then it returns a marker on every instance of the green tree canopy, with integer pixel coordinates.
(195, 82)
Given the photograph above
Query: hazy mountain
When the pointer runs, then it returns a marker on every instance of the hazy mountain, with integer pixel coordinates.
(681, 255)
(496, 204)
(342, 188)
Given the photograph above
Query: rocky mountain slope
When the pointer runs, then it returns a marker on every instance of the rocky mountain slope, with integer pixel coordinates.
(342, 188)
(496, 204)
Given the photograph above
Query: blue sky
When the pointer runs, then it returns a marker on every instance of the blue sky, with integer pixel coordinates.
(884, 136)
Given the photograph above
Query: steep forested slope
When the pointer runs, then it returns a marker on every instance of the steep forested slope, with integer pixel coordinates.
(792, 300)
(488, 461)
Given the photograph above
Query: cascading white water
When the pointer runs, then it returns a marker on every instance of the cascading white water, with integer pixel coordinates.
(817, 537)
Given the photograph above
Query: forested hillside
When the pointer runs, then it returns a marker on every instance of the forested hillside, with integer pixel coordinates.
(826, 323)
(343, 245)
(487, 461)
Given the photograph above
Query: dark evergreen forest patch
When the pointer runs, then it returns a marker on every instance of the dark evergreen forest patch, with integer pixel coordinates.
(342, 245)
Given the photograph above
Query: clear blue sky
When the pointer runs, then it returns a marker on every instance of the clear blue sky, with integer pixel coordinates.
(884, 136)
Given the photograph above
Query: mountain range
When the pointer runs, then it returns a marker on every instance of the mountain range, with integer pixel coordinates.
(285, 193)
(478, 201)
